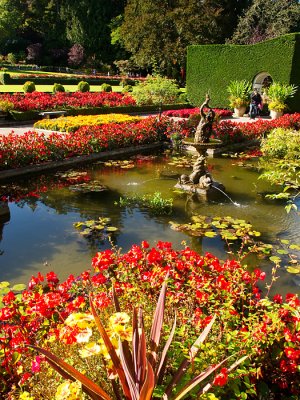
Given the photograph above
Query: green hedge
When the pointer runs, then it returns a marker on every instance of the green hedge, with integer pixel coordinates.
(34, 115)
(7, 79)
(210, 68)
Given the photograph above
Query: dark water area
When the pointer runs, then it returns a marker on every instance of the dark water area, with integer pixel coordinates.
(38, 234)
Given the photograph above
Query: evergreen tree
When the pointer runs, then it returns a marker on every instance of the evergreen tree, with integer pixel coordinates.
(266, 19)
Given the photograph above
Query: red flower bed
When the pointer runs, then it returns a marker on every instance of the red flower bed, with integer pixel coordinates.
(34, 148)
(44, 101)
(186, 112)
(234, 132)
(198, 287)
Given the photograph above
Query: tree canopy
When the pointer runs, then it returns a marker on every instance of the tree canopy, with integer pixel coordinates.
(150, 35)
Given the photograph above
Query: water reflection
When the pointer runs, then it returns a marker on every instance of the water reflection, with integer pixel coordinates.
(40, 235)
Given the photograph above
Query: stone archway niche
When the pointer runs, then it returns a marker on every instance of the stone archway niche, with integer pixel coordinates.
(261, 81)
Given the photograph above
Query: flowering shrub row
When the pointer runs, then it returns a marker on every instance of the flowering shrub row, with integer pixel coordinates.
(33, 148)
(233, 132)
(44, 101)
(57, 316)
(186, 112)
(71, 124)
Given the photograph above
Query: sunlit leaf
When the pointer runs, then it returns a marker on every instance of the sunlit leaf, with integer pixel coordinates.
(275, 259)
(19, 287)
(282, 251)
(293, 270)
(210, 234)
(294, 247)
(111, 229)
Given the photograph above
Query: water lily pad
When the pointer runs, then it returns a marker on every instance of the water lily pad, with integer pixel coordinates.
(210, 234)
(4, 284)
(88, 187)
(275, 259)
(111, 229)
(18, 287)
(293, 269)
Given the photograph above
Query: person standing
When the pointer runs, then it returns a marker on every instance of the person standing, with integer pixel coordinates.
(255, 103)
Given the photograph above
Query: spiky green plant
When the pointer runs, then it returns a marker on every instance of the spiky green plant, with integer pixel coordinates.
(239, 92)
(277, 95)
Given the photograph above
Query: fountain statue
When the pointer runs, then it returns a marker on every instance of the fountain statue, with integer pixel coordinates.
(200, 180)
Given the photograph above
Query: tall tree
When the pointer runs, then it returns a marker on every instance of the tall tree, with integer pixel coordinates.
(266, 19)
(157, 32)
(11, 17)
(88, 24)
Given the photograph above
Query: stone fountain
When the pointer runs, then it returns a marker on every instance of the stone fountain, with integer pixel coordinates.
(200, 180)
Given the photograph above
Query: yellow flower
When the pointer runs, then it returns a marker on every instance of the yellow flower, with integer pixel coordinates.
(90, 349)
(25, 396)
(81, 320)
(119, 318)
(84, 335)
(69, 391)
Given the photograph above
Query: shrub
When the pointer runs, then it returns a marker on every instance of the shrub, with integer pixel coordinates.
(6, 105)
(105, 87)
(29, 87)
(83, 86)
(282, 143)
(12, 58)
(156, 90)
(127, 89)
(278, 94)
(58, 87)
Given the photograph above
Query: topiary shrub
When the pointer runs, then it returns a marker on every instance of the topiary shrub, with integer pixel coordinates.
(83, 86)
(127, 89)
(29, 87)
(58, 87)
(105, 87)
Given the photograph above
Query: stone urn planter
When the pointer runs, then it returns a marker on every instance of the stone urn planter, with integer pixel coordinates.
(275, 114)
(239, 112)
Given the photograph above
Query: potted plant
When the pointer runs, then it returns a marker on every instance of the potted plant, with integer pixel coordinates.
(239, 92)
(277, 95)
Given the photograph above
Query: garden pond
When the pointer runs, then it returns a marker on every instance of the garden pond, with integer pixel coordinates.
(59, 220)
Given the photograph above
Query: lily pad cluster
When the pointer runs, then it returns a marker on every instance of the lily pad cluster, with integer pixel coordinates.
(73, 176)
(125, 164)
(230, 229)
(99, 228)
(88, 187)
(182, 162)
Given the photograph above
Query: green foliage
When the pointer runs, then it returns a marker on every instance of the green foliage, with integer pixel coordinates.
(105, 87)
(83, 86)
(212, 67)
(12, 58)
(239, 92)
(282, 143)
(6, 105)
(127, 89)
(156, 90)
(278, 93)
(280, 164)
(155, 203)
(29, 87)
(266, 19)
(58, 87)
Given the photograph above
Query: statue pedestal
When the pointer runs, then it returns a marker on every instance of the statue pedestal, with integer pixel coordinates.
(211, 192)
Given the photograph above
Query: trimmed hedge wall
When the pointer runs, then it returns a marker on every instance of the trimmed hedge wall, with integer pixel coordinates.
(210, 68)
